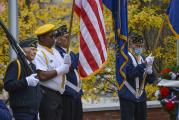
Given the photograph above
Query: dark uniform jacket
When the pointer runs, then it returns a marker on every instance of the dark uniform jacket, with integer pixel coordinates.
(4, 112)
(22, 98)
(71, 76)
(131, 73)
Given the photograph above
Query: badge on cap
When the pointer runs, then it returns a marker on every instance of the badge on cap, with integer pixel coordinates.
(62, 30)
(30, 42)
(135, 38)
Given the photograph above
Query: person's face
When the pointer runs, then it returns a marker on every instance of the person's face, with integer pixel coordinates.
(137, 48)
(137, 45)
(49, 39)
(62, 41)
(30, 52)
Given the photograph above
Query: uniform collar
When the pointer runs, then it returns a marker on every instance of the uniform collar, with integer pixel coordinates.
(138, 58)
(50, 50)
(64, 49)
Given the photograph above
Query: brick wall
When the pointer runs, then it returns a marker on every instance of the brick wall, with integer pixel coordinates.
(112, 112)
(153, 114)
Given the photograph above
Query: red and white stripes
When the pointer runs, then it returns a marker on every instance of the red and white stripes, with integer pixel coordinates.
(93, 49)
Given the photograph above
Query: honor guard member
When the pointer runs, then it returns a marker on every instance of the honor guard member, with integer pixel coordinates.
(50, 69)
(138, 73)
(72, 105)
(22, 85)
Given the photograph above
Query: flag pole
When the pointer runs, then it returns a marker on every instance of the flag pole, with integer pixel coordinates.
(177, 51)
(158, 37)
(155, 45)
(71, 24)
(159, 34)
(69, 39)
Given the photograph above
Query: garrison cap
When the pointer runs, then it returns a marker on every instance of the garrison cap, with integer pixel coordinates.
(64, 29)
(136, 38)
(30, 42)
(44, 29)
(60, 31)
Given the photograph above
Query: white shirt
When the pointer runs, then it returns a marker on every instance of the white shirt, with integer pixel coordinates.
(50, 62)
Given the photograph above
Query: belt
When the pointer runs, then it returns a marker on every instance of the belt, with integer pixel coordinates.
(50, 90)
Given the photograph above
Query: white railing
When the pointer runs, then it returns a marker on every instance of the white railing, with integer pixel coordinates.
(92, 107)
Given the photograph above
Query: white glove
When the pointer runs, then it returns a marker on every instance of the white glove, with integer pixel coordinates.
(63, 69)
(31, 80)
(67, 59)
(173, 75)
(149, 60)
(148, 69)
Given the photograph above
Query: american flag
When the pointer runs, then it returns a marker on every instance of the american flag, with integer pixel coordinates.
(93, 49)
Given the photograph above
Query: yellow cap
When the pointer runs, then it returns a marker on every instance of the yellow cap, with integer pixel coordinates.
(44, 29)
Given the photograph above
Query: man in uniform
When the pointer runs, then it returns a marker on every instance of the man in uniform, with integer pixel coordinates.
(72, 105)
(22, 85)
(138, 70)
(50, 69)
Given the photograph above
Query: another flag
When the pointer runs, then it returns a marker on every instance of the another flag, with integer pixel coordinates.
(119, 13)
(173, 17)
(93, 49)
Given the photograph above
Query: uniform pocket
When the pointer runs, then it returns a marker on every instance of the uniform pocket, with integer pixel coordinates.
(51, 64)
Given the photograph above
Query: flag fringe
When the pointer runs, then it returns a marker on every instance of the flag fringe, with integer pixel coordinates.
(123, 65)
(94, 73)
(172, 29)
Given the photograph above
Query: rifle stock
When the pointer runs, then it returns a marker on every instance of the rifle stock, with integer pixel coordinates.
(20, 53)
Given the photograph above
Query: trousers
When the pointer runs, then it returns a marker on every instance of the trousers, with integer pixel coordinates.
(131, 110)
(51, 105)
(72, 108)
